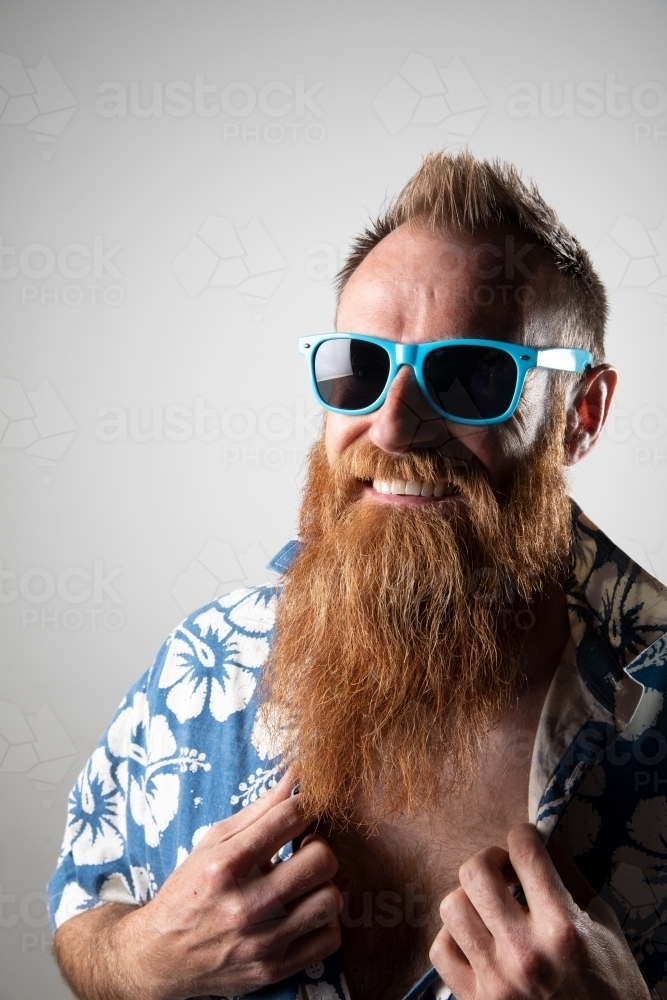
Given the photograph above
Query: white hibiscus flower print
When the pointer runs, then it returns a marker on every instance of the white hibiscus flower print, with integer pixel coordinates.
(584, 547)
(639, 879)
(219, 673)
(117, 889)
(154, 798)
(617, 603)
(95, 831)
(74, 900)
(255, 614)
(122, 733)
(183, 852)
(149, 742)
(213, 621)
(255, 785)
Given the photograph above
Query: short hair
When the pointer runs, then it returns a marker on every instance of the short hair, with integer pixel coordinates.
(457, 194)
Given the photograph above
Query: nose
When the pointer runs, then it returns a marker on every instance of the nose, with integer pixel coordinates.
(406, 420)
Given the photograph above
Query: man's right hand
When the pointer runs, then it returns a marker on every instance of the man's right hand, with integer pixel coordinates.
(226, 921)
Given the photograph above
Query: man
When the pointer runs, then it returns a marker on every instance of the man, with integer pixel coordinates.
(462, 668)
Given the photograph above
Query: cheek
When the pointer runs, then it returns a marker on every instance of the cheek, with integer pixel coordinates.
(488, 446)
(497, 448)
(340, 432)
(535, 401)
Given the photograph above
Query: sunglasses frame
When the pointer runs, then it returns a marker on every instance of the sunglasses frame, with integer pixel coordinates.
(567, 359)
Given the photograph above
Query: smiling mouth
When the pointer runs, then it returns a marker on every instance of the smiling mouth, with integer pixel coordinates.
(415, 488)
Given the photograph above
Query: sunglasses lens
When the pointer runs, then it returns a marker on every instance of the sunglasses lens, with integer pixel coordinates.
(470, 382)
(350, 374)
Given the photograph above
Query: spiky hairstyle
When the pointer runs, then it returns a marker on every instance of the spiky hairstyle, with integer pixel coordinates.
(457, 194)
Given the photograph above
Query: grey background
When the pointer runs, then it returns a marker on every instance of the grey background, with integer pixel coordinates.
(167, 522)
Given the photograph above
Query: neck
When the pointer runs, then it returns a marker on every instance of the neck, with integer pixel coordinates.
(545, 641)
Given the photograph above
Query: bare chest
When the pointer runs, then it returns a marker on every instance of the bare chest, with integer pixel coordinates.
(393, 882)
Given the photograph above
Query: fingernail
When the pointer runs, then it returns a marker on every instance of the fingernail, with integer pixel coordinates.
(295, 789)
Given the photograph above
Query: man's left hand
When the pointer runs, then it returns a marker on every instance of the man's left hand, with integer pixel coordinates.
(565, 943)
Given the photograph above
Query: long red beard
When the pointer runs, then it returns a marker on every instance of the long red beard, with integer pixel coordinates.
(399, 630)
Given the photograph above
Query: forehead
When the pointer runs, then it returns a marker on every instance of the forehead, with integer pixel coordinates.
(416, 286)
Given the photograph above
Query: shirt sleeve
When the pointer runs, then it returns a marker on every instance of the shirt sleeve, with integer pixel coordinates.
(183, 750)
(97, 864)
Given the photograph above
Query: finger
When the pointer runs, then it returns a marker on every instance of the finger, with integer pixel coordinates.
(468, 929)
(452, 966)
(541, 883)
(297, 955)
(301, 840)
(319, 909)
(267, 895)
(314, 864)
(501, 859)
(253, 847)
(485, 878)
(311, 947)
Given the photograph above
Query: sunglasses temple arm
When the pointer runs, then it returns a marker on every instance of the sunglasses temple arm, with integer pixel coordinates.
(564, 359)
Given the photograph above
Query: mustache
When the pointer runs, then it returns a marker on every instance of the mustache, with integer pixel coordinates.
(367, 462)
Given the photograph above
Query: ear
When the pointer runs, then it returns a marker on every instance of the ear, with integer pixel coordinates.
(587, 410)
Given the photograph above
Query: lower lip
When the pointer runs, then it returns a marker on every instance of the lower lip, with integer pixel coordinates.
(404, 499)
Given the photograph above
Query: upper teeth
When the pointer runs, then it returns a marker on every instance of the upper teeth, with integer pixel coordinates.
(413, 488)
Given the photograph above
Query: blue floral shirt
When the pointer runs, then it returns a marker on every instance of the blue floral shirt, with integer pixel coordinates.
(188, 747)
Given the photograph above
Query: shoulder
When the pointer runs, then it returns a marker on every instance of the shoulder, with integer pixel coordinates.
(213, 657)
(185, 748)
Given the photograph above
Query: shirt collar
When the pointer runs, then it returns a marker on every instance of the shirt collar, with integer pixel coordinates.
(609, 674)
(616, 610)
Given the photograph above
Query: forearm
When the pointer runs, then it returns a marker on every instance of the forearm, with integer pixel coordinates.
(93, 956)
(206, 931)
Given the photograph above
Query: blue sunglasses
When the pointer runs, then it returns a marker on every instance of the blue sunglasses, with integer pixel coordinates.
(466, 381)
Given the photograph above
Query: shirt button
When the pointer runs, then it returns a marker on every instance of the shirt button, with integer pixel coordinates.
(315, 970)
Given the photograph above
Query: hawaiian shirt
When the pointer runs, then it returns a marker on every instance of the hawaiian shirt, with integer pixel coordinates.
(188, 747)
